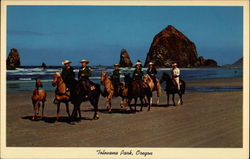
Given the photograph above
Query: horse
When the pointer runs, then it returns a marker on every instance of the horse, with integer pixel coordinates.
(78, 95)
(147, 79)
(61, 94)
(123, 93)
(136, 91)
(172, 88)
(38, 97)
(108, 89)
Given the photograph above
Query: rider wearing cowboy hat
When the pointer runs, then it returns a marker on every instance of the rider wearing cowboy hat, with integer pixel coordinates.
(68, 74)
(138, 73)
(151, 71)
(84, 74)
(116, 78)
(176, 74)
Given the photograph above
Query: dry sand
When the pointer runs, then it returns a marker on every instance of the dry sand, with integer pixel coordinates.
(207, 119)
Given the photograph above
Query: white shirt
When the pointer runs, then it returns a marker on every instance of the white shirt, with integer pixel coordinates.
(176, 72)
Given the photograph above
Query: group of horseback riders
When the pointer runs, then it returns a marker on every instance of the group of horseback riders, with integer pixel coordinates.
(68, 74)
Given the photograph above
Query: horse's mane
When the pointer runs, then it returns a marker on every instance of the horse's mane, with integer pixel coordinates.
(58, 74)
(148, 78)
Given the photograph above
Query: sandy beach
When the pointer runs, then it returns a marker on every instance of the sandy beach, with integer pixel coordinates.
(207, 119)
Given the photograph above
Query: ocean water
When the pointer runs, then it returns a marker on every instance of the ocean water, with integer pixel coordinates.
(23, 79)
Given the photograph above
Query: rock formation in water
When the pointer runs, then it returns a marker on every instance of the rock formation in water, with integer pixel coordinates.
(13, 60)
(125, 59)
(170, 45)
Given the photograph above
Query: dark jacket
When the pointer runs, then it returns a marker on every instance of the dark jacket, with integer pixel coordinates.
(84, 73)
(116, 75)
(68, 74)
(138, 74)
(152, 72)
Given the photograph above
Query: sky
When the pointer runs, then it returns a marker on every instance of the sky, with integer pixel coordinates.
(52, 34)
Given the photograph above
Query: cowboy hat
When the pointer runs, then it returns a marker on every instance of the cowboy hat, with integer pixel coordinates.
(138, 63)
(151, 63)
(174, 64)
(66, 62)
(86, 61)
(116, 65)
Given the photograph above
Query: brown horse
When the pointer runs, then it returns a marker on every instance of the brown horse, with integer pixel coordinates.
(108, 89)
(135, 91)
(38, 97)
(147, 79)
(123, 93)
(61, 93)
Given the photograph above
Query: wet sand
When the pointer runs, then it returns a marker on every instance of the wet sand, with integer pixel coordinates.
(206, 119)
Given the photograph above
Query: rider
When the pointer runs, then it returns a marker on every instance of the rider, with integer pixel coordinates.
(68, 74)
(84, 74)
(116, 78)
(138, 73)
(152, 72)
(176, 74)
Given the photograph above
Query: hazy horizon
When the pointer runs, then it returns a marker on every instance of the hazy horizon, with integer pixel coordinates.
(52, 34)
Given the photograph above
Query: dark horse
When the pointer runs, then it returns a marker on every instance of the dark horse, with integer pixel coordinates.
(78, 95)
(171, 88)
(136, 91)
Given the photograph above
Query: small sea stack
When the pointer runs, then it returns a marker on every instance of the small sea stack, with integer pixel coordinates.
(13, 60)
(125, 60)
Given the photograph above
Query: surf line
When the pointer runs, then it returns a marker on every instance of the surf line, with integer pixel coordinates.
(124, 152)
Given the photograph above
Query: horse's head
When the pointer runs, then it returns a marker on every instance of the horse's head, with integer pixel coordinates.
(56, 78)
(104, 75)
(127, 77)
(147, 78)
(38, 83)
(165, 77)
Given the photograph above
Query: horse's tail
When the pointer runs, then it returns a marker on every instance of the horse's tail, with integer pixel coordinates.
(183, 87)
(99, 90)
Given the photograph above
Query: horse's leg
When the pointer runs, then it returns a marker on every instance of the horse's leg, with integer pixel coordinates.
(129, 104)
(150, 102)
(121, 103)
(109, 99)
(67, 109)
(142, 103)
(94, 103)
(180, 99)
(167, 99)
(73, 114)
(158, 96)
(34, 108)
(58, 110)
(173, 99)
(43, 104)
(79, 111)
(38, 108)
(135, 103)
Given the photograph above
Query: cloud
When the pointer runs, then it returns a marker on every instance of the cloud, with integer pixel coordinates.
(32, 33)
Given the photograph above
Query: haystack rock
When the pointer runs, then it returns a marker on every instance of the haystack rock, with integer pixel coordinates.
(170, 45)
(125, 59)
(13, 60)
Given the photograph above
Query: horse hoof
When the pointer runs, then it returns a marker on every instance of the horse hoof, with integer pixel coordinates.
(96, 117)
